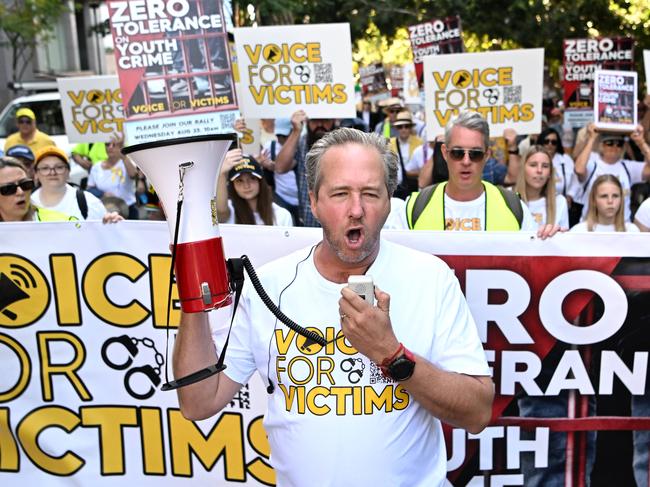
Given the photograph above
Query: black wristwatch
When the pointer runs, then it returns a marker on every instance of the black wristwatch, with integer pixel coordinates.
(401, 367)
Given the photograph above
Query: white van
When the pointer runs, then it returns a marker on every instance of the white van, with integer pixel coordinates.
(49, 119)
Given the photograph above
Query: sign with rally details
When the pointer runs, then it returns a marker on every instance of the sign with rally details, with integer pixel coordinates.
(92, 108)
(615, 95)
(174, 67)
(290, 67)
(504, 87)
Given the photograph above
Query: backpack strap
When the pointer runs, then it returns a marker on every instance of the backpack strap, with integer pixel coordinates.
(421, 201)
(82, 203)
(514, 203)
(273, 144)
(627, 171)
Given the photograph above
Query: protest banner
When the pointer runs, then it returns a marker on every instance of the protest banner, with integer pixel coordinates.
(92, 108)
(504, 87)
(83, 331)
(582, 57)
(437, 36)
(290, 67)
(174, 68)
(615, 94)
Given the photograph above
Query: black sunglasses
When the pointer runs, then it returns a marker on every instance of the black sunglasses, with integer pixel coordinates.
(550, 141)
(11, 188)
(475, 155)
(617, 143)
(25, 121)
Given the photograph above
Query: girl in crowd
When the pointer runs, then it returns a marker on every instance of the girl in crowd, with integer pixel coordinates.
(606, 213)
(52, 170)
(536, 188)
(243, 196)
(115, 177)
(15, 191)
(562, 163)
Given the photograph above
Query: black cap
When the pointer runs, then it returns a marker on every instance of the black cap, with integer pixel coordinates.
(246, 165)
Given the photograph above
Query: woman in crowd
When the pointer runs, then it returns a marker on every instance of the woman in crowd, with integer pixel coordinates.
(15, 191)
(606, 212)
(243, 196)
(536, 188)
(115, 177)
(562, 163)
(52, 169)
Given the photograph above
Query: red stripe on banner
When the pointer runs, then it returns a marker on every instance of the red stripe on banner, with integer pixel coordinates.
(595, 423)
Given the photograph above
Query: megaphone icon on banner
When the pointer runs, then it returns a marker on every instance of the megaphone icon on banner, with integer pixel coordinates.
(184, 174)
(10, 293)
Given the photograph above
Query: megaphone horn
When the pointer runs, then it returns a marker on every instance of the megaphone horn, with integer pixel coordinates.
(184, 173)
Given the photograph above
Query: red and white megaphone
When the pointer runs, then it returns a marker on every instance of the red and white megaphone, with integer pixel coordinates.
(184, 174)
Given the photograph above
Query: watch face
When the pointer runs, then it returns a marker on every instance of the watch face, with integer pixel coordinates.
(401, 368)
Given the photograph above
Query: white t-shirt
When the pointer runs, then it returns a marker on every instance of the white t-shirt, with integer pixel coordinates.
(397, 216)
(582, 227)
(470, 215)
(617, 169)
(417, 161)
(538, 211)
(286, 186)
(563, 166)
(281, 217)
(333, 419)
(115, 180)
(643, 213)
(69, 205)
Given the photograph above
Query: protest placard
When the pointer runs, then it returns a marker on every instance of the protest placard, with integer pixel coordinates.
(396, 80)
(373, 82)
(92, 108)
(174, 68)
(505, 87)
(582, 57)
(437, 36)
(411, 88)
(615, 95)
(291, 67)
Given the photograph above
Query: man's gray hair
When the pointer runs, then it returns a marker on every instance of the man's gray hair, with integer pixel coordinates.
(343, 136)
(471, 121)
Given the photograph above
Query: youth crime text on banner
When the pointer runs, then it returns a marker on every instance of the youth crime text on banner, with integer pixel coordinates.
(437, 36)
(174, 67)
(582, 57)
(289, 67)
(92, 108)
(504, 87)
(83, 330)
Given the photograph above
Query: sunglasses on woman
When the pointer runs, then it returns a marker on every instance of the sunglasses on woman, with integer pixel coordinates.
(11, 188)
(612, 143)
(549, 141)
(458, 154)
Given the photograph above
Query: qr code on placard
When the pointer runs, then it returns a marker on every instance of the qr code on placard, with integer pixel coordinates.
(242, 399)
(227, 119)
(323, 73)
(376, 377)
(512, 94)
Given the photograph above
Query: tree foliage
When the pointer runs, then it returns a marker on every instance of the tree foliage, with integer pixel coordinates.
(25, 23)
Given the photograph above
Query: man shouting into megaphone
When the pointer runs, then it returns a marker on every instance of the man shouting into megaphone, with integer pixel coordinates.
(366, 408)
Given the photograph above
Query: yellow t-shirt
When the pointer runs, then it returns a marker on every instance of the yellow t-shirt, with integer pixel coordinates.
(39, 141)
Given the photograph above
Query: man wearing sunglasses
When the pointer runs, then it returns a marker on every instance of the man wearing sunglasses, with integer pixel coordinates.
(603, 154)
(28, 134)
(466, 202)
